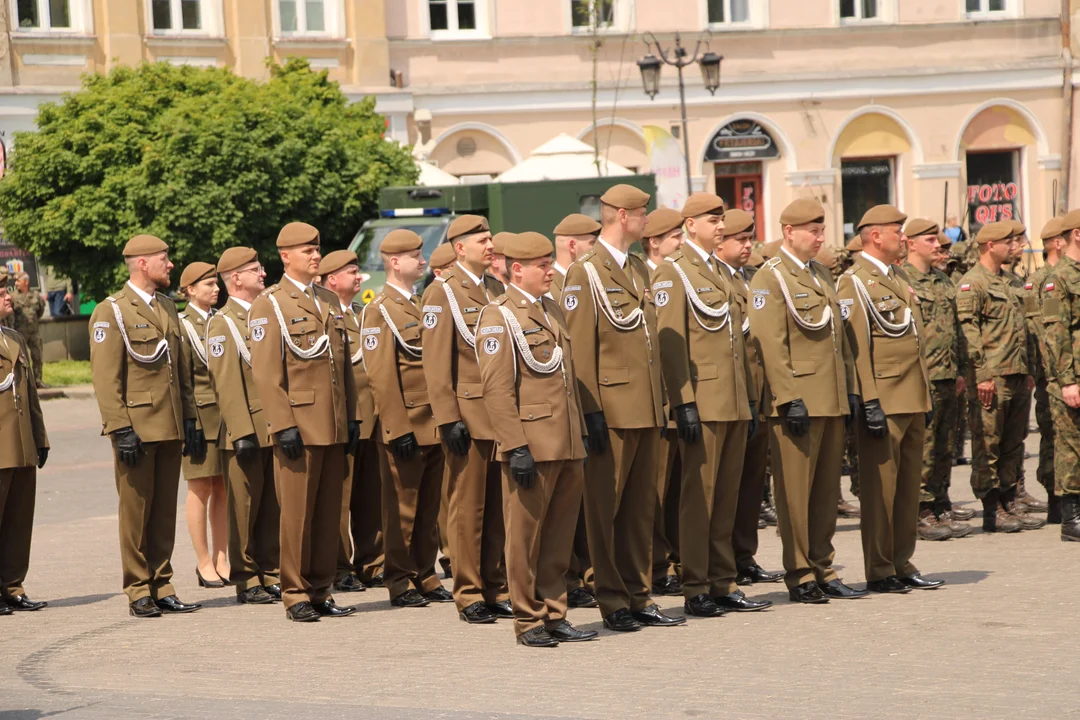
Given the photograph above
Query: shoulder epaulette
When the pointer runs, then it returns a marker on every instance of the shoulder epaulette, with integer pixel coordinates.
(771, 262)
(501, 300)
(273, 288)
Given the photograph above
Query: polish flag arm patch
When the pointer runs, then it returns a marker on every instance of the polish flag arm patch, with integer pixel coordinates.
(1049, 286)
(965, 286)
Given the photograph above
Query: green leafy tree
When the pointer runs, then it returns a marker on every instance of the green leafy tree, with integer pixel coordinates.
(201, 158)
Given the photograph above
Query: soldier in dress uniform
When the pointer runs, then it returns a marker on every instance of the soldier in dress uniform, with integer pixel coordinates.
(441, 259)
(146, 398)
(24, 448)
(574, 236)
(410, 456)
(244, 436)
(29, 307)
(1053, 248)
(300, 359)
(498, 275)
(527, 372)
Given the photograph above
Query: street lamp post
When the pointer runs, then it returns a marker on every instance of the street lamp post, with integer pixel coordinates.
(651, 64)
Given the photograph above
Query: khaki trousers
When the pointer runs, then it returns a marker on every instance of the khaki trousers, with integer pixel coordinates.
(620, 499)
(540, 525)
(360, 549)
(476, 530)
(254, 520)
(412, 491)
(309, 490)
(744, 536)
(891, 473)
(711, 473)
(665, 548)
(444, 511)
(806, 471)
(147, 514)
(18, 492)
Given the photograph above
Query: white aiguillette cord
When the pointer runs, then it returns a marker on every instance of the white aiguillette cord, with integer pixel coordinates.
(600, 300)
(238, 339)
(522, 346)
(161, 349)
(699, 308)
(826, 315)
(893, 330)
(321, 345)
(459, 319)
(196, 343)
(9, 381)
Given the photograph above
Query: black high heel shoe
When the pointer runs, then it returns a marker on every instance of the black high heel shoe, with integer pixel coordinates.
(208, 583)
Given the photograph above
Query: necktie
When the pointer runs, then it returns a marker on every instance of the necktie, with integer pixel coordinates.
(415, 300)
(311, 295)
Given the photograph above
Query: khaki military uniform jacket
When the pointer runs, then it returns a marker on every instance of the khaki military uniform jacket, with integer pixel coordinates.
(493, 285)
(22, 428)
(740, 286)
(196, 358)
(891, 370)
(1061, 323)
(365, 401)
(541, 410)
(558, 282)
(942, 339)
(992, 318)
(618, 370)
(317, 395)
(153, 398)
(451, 370)
(807, 363)
(239, 404)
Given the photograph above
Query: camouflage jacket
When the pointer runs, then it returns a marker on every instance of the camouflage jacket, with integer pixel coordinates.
(1028, 296)
(29, 307)
(944, 347)
(1060, 294)
(993, 322)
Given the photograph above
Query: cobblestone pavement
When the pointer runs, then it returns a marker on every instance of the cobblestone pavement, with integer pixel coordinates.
(995, 643)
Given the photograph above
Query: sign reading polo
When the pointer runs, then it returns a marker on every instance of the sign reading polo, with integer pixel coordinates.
(741, 140)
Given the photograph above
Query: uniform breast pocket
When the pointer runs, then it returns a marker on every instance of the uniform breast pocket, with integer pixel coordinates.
(997, 304)
(143, 340)
(303, 333)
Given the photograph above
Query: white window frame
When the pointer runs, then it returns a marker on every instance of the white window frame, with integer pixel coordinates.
(622, 20)
(333, 12)
(210, 16)
(886, 13)
(82, 19)
(1012, 9)
(483, 20)
(759, 17)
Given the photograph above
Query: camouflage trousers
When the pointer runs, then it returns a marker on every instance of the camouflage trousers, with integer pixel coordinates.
(1045, 420)
(997, 435)
(961, 432)
(1066, 448)
(938, 448)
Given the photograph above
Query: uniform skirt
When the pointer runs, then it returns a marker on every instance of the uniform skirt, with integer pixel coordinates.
(209, 467)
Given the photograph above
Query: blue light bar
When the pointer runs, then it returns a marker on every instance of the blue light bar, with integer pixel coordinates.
(414, 212)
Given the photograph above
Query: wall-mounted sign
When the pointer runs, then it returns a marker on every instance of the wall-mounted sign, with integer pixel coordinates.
(741, 140)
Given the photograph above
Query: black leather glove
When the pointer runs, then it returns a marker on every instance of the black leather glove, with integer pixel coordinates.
(405, 447)
(354, 436)
(688, 422)
(753, 420)
(797, 417)
(456, 437)
(245, 447)
(42, 457)
(128, 446)
(194, 442)
(522, 467)
(596, 425)
(876, 424)
(854, 402)
(291, 443)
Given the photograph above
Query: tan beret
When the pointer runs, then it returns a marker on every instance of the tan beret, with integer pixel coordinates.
(827, 257)
(737, 221)
(1071, 221)
(296, 234)
(803, 211)
(577, 224)
(1051, 229)
(467, 225)
(662, 221)
(943, 240)
(881, 215)
(499, 242)
(770, 249)
(443, 256)
(854, 245)
(528, 245)
(195, 272)
(236, 257)
(958, 250)
(995, 231)
(921, 226)
(1018, 227)
(755, 260)
(703, 204)
(336, 260)
(5, 276)
(144, 245)
(626, 197)
(399, 241)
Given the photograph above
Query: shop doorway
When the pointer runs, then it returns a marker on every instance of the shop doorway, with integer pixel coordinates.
(993, 188)
(864, 183)
(739, 184)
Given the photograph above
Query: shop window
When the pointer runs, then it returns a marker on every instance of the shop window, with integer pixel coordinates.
(993, 191)
(740, 184)
(864, 183)
(311, 17)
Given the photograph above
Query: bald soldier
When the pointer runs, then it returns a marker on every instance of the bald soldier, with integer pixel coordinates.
(452, 307)
(147, 403)
(527, 375)
(300, 359)
(613, 328)
(883, 326)
(244, 436)
(810, 393)
(574, 236)
(410, 456)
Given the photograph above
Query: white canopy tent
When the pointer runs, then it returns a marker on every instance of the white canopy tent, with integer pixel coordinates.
(561, 158)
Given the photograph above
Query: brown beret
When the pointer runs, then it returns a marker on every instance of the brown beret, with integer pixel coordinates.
(499, 242)
(236, 257)
(737, 221)
(662, 221)
(771, 249)
(144, 245)
(881, 215)
(995, 231)
(336, 260)
(827, 257)
(1018, 227)
(1071, 221)
(1051, 229)
(577, 224)
(443, 255)
(467, 225)
(943, 240)
(703, 204)
(803, 211)
(921, 226)
(296, 234)
(626, 197)
(195, 272)
(958, 250)
(755, 260)
(528, 245)
(5, 276)
(854, 245)
(399, 241)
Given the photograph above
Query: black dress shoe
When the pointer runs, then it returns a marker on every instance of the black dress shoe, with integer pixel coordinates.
(254, 596)
(477, 614)
(581, 598)
(376, 581)
(837, 589)
(702, 606)
(738, 602)
(273, 591)
(565, 632)
(410, 598)
(328, 608)
(621, 621)
(448, 571)
(302, 612)
(144, 607)
(501, 609)
(670, 585)
(349, 583)
(21, 603)
(5, 610)
(172, 604)
(756, 574)
(915, 581)
(890, 584)
(653, 617)
(537, 637)
(439, 595)
(808, 593)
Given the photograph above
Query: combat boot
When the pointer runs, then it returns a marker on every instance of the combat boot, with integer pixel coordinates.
(946, 517)
(1053, 514)
(768, 510)
(957, 512)
(1070, 517)
(995, 519)
(929, 527)
(1025, 500)
(1018, 511)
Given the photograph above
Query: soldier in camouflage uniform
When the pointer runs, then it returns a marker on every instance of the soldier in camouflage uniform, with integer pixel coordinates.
(29, 307)
(961, 261)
